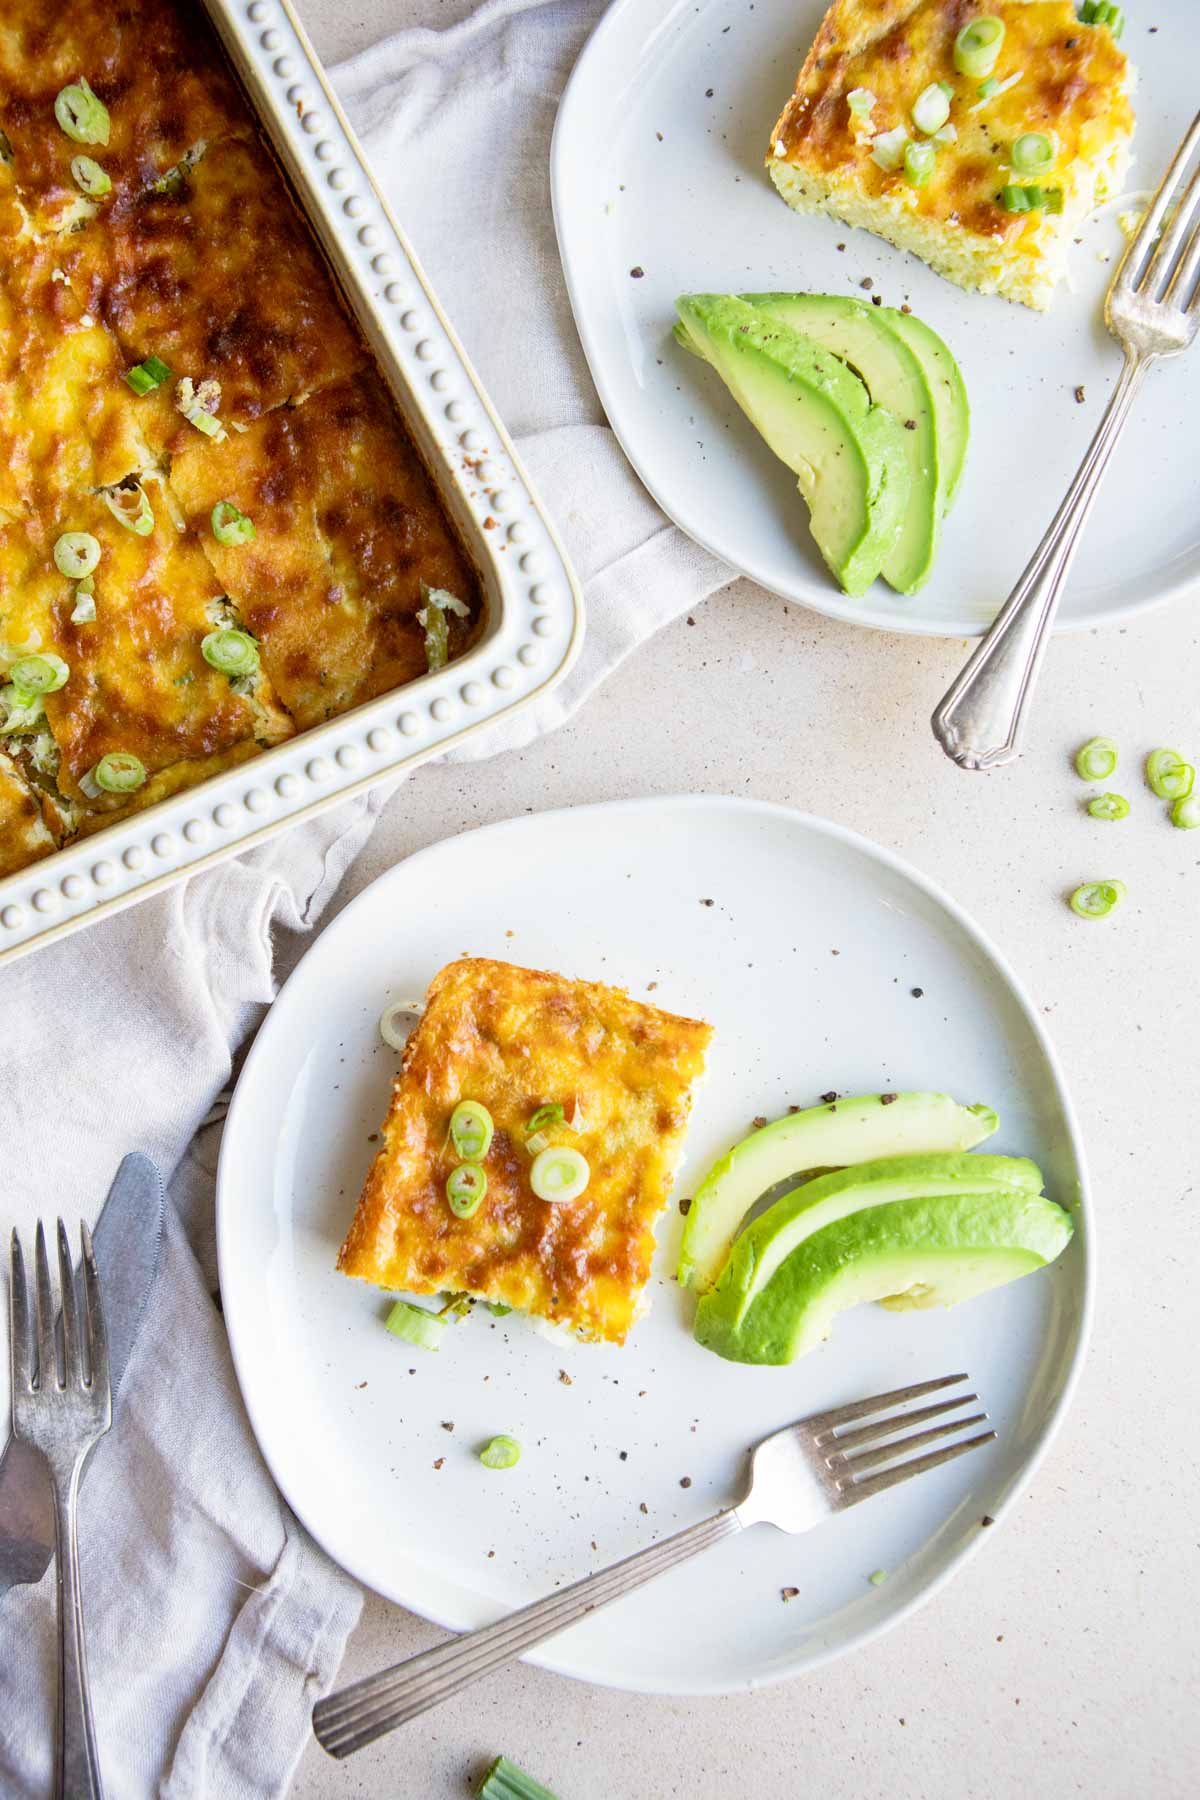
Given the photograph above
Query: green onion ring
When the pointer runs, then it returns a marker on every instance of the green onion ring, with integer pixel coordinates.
(977, 46)
(1168, 776)
(230, 525)
(559, 1174)
(1097, 759)
(500, 1453)
(120, 772)
(465, 1189)
(1096, 899)
(89, 177)
(76, 554)
(471, 1130)
(43, 674)
(81, 115)
(230, 652)
(1109, 806)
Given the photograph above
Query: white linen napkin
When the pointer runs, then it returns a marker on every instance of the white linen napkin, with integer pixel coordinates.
(214, 1621)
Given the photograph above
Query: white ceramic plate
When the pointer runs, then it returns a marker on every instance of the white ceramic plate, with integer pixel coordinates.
(805, 963)
(657, 165)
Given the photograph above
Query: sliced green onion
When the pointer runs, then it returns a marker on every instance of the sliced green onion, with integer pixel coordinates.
(1168, 776)
(1096, 899)
(465, 1189)
(992, 90)
(500, 1453)
(81, 115)
(22, 712)
(43, 674)
(84, 610)
(437, 637)
(978, 45)
(545, 1115)
(860, 100)
(947, 135)
(230, 525)
(918, 163)
(504, 1781)
(76, 554)
(415, 1325)
(130, 508)
(1109, 806)
(887, 149)
(120, 772)
(498, 1309)
(1015, 199)
(89, 177)
(1186, 812)
(1101, 12)
(471, 1130)
(395, 1022)
(1097, 759)
(877, 1577)
(204, 421)
(559, 1174)
(931, 108)
(145, 376)
(1033, 152)
(1053, 200)
(230, 652)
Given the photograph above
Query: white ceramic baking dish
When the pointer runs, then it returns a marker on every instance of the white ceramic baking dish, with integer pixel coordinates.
(534, 614)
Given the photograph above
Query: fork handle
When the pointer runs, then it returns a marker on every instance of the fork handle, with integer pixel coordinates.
(76, 1764)
(980, 718)
(355, 1716)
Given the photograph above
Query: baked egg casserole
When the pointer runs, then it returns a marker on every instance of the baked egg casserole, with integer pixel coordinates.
(214, 531)
(975, 133)
(535, 1127)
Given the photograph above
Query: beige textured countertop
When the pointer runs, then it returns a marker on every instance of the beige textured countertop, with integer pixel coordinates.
(1063, 1660)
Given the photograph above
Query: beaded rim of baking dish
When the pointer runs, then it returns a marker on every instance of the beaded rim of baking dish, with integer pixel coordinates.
(535, 606)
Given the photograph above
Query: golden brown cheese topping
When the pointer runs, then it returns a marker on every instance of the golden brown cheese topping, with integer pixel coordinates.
(1071, 82)
(515, 1040)
(195, 254)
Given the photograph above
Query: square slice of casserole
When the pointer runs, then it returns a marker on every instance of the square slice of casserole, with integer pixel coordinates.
(1053, 76)
(517, 1040)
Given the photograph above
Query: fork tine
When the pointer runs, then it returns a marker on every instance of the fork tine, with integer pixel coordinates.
(1184, 290)
(1139, 255)
(884, 1453)
(97, 1337)
(47, 1354)
(20, 1343)
(858, 1409)
(1158, 269)
(866, 1434)
(855, 1491)
(72, 1355)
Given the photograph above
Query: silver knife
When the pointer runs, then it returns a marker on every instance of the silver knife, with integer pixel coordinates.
(128, 1237)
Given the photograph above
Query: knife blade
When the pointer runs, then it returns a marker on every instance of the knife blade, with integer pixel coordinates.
(128, 1239)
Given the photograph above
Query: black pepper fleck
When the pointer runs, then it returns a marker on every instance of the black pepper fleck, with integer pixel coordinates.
(918, 993)
(789, 1593)
(1080, 396)
(637, 271)
(888, 1099)
(867, 282)
(685, 1207)
(685, 1481)
(987, 1519)
(830, 1097)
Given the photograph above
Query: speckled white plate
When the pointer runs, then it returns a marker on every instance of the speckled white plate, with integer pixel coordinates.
(657, 165)
(805, 962)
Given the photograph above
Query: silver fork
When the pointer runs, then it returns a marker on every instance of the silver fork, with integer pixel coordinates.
(62, 1413)
(799, 1477)
(1153, 309)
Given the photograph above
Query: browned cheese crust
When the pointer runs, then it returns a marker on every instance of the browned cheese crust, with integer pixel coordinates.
(515, 1040)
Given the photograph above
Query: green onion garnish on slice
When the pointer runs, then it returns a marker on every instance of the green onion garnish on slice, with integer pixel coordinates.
(504, 1781)
(559, 1174)
(145, 376)
(130, 508)
(230, 525)
(1096, 899)
(1109, 806)
(415, 1325)
(84, 610)
(1186, 812)
(1054, 200)
(465, 1189)
(918, 163)
(81, 115)
(230, 652)
(500, 1453)
(986, 89)
(1014, 199)
(120, 772)
(1097, 759)
(89, 177)
(947, 135)
(552, 1114)
(76, 554)
(978, 45)
(498, 1309)
(1168, 776)
(887, 149)
(931, 108)
(471, 1130)
(43, 674)
(21, 712)
(860, 100)
(1033, 152)
(992, 90)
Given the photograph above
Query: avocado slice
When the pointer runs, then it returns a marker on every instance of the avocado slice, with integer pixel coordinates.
(854, 1130)
(816, 415)
(799, 1215)
(895, 377)
(952, 410)
(932, 1251)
